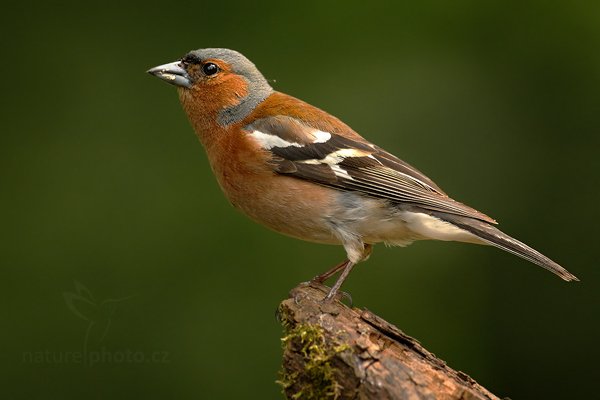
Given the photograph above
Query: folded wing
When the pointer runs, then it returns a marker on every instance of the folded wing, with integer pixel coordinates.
(348, 162)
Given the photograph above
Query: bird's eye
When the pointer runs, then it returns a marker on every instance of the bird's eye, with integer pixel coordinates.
(210, 69)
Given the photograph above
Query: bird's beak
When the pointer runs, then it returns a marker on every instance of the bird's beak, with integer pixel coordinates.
(172, 73)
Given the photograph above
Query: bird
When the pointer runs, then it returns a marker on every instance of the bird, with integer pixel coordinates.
(304, 173)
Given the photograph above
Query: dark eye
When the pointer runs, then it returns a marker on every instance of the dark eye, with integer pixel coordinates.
(210, 69)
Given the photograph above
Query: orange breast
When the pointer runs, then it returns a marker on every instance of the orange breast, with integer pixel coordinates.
(287, 205)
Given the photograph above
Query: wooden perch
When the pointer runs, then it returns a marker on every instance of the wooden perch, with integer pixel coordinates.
(332, 351)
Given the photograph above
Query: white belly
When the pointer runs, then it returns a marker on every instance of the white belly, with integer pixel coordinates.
(375, 221)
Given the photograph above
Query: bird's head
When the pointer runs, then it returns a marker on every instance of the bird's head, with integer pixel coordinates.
(216, 85)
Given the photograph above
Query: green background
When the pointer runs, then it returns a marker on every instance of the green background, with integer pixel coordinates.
(105, 192)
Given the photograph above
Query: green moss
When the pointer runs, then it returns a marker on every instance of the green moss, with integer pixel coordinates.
(317, 380)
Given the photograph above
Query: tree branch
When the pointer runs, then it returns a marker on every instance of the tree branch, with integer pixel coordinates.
(332, 351)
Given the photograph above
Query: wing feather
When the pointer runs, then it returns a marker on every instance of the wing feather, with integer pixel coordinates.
(350, 163)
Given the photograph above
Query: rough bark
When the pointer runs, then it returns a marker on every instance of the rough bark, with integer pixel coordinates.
(332, 351)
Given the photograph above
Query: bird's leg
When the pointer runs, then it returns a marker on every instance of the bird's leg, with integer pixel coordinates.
(334, 289)
(326, 275)
(347, 266)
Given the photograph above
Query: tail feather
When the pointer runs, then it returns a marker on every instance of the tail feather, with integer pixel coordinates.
(501, 240)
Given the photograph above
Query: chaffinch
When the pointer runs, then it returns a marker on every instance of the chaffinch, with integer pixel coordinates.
(304, 173)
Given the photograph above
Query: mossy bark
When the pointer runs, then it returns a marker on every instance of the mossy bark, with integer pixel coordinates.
(332, 351)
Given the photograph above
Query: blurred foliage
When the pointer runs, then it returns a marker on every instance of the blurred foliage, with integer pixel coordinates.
(104, 184)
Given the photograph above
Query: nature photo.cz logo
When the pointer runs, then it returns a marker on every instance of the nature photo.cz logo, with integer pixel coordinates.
(98, 317)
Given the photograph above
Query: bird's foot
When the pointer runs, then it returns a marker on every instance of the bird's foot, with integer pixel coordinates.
(331, 293)
(339, 295)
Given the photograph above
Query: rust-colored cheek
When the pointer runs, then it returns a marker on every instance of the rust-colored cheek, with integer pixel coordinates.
(206, 99)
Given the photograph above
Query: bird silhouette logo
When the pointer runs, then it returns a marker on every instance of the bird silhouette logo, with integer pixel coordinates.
(97, 314)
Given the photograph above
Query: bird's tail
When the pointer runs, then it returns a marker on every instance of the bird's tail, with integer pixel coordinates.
(497, 238)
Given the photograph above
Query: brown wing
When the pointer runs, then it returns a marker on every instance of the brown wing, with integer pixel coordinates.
(351, 164)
